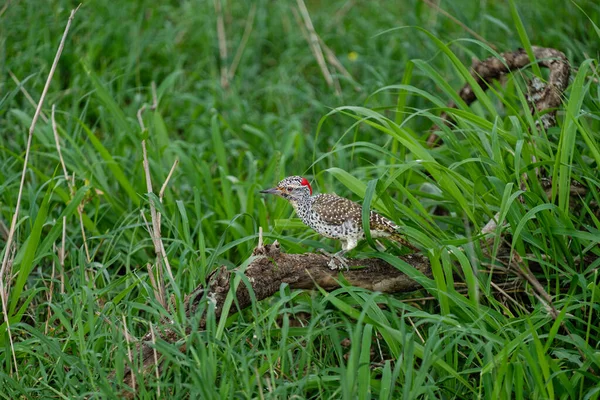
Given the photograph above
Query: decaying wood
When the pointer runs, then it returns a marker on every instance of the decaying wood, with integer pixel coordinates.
(269, 269)
(544, 97)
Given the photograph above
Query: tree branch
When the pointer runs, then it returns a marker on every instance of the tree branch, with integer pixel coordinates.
(491, 69)
(269, 269)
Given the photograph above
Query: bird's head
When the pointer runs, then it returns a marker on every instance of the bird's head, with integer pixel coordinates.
(292, 188)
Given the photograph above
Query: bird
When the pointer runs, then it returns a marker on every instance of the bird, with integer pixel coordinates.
(334, 217)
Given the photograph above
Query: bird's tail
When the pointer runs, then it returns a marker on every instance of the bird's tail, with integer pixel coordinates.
(398, 238)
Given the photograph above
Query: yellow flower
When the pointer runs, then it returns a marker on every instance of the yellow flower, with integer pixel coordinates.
(352, 56)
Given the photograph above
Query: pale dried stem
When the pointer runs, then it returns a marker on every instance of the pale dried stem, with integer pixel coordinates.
(129, 354)
(26, 94)
(507, 296)
(139, 117)
(11, 233)
(3, 10)
(300, 24)
(30, 137)
(71, 185)
(416, 330)
(222, 44)
(156, 238)
(240, 50)
(378, 341)
(456, 21)
(521, 269)
(61, 256)
(341, 13)
(313, 42)
(159, 248)
(50, 291)
(60, 157)
(156, 372)
(148, 227)
(154, 96)
(3, 231)
(83, 235)
(260, 237)
(164, 186)
(157, 289)
(333, 60)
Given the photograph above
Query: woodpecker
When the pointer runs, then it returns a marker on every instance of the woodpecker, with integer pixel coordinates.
(334, 217)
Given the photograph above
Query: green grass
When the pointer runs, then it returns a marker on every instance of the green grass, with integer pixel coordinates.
(280, 118)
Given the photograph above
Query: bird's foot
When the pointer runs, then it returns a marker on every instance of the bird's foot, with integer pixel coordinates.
(337, 260)
(337, 263)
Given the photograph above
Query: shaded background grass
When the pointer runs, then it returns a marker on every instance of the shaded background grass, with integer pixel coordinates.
(270, 123)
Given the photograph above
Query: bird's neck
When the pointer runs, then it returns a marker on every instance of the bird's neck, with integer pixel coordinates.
(303, 206)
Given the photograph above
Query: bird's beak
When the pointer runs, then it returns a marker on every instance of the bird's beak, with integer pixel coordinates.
(275, 191)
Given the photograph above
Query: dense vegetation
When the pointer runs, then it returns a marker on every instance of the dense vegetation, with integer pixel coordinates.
(278, 117)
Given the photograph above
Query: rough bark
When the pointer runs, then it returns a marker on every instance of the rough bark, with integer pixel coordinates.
(544, 97)
(269, 269)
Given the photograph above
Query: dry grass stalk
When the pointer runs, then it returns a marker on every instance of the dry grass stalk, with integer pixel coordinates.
(456, 21)
(3, 231)
(222, 44)
(240, 50)
(158, 290)
(313, 42)
(71, 185)
(333, 60)
(60, 157)
(129, 354)
(164, 187)
(50, 292)
(3, 10)
(156, 371)
(159, 248)
(61, 255)
(155, 231)
(11, 233)
(26, 94)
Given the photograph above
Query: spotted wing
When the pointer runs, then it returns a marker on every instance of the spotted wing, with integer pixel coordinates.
(379, 223)
(336, 210)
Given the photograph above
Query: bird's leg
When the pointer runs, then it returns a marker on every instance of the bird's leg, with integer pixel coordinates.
(341, 261)
(337, 260)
